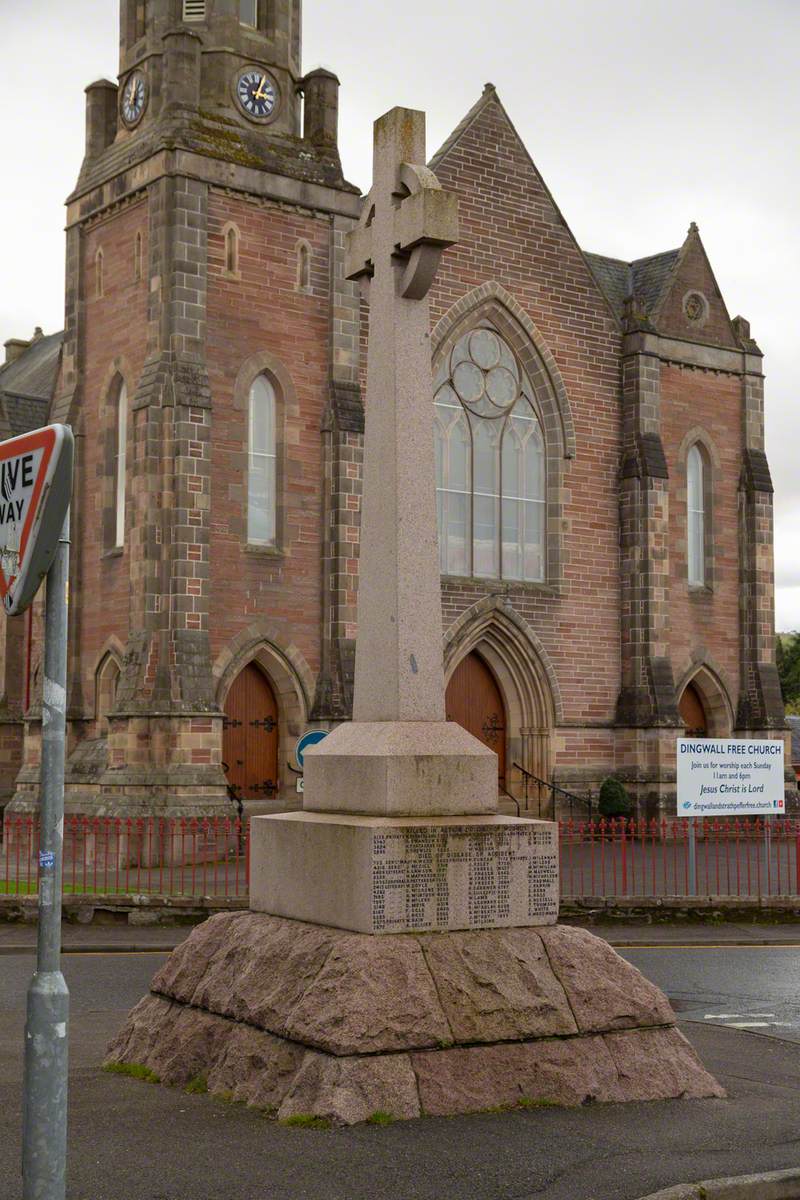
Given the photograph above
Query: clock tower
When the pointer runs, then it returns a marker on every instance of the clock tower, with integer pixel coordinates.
(204, 267)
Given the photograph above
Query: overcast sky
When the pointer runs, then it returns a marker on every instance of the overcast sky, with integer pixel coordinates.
(641, 115)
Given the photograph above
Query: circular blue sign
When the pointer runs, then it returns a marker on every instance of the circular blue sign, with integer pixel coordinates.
(308, 739)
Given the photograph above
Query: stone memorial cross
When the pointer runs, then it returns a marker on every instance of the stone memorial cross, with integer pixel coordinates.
(399, 756)
(399, 829)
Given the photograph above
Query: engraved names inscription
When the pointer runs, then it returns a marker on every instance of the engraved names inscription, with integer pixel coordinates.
(463, 877)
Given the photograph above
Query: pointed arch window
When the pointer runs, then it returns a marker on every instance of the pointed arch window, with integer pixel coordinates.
(262, 458)
(696, 516)
(106, 683)
(98, 274)
(303, 267)
(490, 463)
(137, 257)
(120, 463)
(231, 234)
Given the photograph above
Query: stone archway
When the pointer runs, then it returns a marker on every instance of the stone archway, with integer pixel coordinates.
(289, 680)
(519, 664)
(703, 703)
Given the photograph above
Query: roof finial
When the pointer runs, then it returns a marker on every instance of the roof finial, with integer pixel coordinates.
(489, 87)
(693, 228)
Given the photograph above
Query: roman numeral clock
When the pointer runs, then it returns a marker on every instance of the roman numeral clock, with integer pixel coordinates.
(257, 94)
(134, 99)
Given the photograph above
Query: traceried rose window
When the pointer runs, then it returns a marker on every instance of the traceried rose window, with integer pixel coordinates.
(490, 465)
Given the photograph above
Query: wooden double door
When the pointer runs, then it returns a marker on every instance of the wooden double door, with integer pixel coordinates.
(474, 701)
(250, 736)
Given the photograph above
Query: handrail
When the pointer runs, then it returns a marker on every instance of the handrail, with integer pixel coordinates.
(573, 797)
(513, 799)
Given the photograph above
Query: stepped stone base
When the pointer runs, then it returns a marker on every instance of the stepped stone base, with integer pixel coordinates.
(303, 1019)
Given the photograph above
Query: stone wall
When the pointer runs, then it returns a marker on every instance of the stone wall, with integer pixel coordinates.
(513, 234)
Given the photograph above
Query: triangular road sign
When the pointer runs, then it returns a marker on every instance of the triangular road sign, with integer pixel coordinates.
(35, 490)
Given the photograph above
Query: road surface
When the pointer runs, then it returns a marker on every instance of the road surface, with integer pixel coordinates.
(131, 1140)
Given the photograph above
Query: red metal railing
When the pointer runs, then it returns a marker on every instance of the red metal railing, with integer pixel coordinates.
(208, 857)
(739, 857)
(124, 856)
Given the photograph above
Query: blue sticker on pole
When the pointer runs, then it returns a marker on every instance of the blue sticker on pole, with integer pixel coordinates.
(308, 739)
(47, 860)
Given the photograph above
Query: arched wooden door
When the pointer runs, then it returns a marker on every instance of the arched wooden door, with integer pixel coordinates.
(250, 736)
(473, 700)
(693, 714)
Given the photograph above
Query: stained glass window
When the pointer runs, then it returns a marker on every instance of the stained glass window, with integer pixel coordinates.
(490, 464)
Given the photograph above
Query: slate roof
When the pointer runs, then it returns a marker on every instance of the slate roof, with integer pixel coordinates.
(647, 278)
(794, 725)
(27, 384)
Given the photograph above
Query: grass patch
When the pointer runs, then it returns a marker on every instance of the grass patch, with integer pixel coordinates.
(524, 1103)
(197, 1086)
(306, 1121)
(380, 1118)
(133, 1070)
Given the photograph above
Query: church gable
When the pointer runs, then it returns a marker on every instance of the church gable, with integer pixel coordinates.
(507, 208)
(690, 305)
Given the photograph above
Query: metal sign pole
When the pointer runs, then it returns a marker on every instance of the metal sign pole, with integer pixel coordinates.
(44, 1148)
(692, 856)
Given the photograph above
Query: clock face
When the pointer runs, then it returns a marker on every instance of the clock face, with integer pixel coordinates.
(134, 98)
(257, 94)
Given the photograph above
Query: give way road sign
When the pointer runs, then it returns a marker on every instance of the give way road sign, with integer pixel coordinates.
(35, 490)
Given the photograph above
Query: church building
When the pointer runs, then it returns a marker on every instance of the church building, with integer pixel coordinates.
(604, 499)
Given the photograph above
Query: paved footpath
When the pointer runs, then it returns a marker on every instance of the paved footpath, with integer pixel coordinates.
(16, 937)
(131, 1140)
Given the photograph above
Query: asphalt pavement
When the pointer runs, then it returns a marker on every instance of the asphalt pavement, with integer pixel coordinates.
(131, 1140)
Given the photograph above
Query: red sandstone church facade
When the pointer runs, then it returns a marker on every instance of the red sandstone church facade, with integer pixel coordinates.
(605, 502)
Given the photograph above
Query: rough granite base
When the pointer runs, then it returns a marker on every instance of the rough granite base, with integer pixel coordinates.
(305, 1020)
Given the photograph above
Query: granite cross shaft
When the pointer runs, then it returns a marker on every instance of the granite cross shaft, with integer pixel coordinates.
(407, 222)
(399, 755)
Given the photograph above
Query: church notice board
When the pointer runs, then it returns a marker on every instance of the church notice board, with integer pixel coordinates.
(729, 777)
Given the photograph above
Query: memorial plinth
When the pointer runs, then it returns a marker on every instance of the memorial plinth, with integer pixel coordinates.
(395, 875)
(400, 768)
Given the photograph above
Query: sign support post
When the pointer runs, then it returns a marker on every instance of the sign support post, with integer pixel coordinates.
(692, 856)
(44, 1148)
